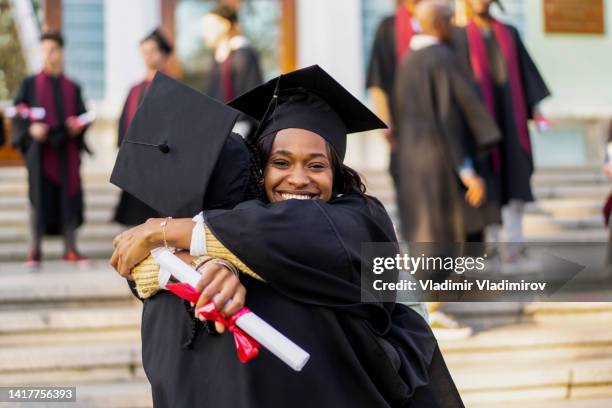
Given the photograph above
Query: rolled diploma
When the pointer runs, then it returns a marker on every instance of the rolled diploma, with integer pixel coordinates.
(279, 345)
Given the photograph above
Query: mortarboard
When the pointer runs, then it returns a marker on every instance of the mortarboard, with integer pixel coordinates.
(160, 39)
(310, 99)
(172, 148)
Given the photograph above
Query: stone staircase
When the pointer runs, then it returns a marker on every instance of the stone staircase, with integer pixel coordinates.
(79, 325)
(72, 325)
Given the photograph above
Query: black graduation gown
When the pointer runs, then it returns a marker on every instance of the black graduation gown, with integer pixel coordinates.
(516, 164)
(381, 73)
(130, 210)
(442, 121)
(362, 355)
(53, 204)
(246, 74)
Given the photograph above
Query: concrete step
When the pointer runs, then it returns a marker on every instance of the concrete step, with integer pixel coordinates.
(60, 319)
(74, 337)
(572, 191)
(98, 200)
(584, 235)
(117, 361)
(61, 282)
(566, 207)
(20, 187)
(531, 381)
(54, 249)
(20, 174)
(21, 217)
(562, 403)
(126, 394)
(536, 341)
(541, 223)
(88, 232)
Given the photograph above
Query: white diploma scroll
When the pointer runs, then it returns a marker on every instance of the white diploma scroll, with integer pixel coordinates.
(279, 345)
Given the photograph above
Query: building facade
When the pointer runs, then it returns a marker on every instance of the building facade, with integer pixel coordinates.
(103, 37)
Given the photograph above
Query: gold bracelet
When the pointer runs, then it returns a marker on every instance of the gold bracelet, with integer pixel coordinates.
(163, 227)
(227, 264)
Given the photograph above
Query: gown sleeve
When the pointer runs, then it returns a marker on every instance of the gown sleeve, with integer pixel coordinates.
(308, 250)
(378, 66)
(534, 87)
(21, 138)
(482, 127)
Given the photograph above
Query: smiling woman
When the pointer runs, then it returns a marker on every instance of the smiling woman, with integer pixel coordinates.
(298, 252)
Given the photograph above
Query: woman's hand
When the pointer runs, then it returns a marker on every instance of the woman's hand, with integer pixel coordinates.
(219, 284)
(132, 246)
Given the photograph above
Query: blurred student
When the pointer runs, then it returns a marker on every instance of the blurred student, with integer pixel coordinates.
(511, 88)
(391, 45)
(442, 128)
(235, 66)
(156, 50)
(51, 146)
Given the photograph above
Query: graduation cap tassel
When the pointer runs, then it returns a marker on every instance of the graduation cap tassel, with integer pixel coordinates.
(163, 147)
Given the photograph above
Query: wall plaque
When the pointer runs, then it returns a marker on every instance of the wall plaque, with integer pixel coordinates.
(574, 16)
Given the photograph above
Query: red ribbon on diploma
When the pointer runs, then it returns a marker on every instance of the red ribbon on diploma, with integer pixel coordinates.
(246, 346)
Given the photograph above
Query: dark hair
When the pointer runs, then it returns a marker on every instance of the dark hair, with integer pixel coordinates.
(53, 36)
(346, 180)
(160, 40)
(226, 12)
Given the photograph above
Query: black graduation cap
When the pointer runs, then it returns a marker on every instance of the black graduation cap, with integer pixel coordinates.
(160, 39)
(310, 99)
(172, 146)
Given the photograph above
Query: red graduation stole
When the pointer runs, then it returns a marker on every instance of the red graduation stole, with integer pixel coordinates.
(480, 64)
(403, 32)
(50, 156)
(133, 102)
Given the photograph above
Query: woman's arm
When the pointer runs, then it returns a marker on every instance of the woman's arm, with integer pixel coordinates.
(135, 244)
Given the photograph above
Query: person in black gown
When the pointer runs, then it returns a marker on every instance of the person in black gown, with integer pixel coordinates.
(235, 67)
(511, 88)
(156, 50)
(300, 253)
(442, 129)
(51, 148)
(390, 47)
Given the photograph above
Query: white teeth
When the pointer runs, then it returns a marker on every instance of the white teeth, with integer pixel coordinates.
(295, 196)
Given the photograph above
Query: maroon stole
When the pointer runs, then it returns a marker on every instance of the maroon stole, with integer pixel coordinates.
(50, 156)
(482, 70)
(226, 79)
(403, 32)
(133, 101)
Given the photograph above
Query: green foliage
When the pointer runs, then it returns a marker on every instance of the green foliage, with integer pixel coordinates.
(12, 63)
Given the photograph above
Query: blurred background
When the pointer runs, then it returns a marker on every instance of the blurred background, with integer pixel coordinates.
(79, 325)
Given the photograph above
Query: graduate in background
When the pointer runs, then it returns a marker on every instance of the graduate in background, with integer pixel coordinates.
(442, 130)
(156, 50)
(511, 88)
(391, 45)
(235, 67)
(51, 148)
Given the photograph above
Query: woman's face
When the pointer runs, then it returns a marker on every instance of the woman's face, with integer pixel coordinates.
(299, 167)
(153, 57)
